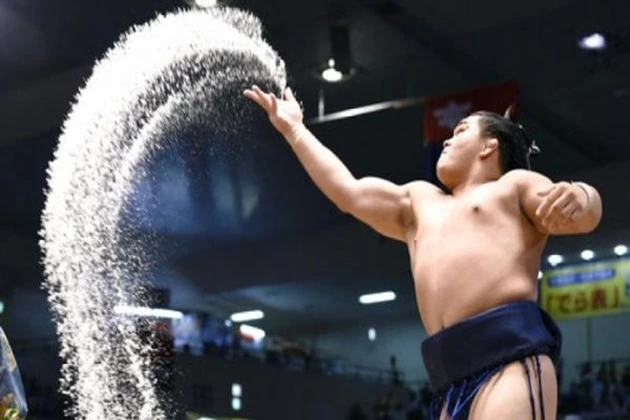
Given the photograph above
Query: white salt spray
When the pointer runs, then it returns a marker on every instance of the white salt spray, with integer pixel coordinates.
(183, 72)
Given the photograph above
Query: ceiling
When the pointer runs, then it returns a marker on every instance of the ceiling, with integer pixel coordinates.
(298, 258)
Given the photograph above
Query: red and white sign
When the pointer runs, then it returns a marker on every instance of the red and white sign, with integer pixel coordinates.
(441, 115)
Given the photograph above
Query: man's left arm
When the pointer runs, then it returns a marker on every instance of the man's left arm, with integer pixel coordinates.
(561, 208)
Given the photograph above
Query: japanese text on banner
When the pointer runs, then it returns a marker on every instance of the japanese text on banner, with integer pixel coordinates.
(587, 290)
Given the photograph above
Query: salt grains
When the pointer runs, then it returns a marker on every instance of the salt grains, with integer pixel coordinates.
(181, 73)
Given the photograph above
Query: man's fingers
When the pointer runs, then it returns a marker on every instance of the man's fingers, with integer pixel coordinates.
(546, 191)
(257, 95)
(568, 215)
(543, 209)
(556, 210)
(288, 94)
(569, 210)
(258, 90)
(256, 98)
(261, 93)
(565, 215)
(274, 104)
(574, 215)
(250, 94)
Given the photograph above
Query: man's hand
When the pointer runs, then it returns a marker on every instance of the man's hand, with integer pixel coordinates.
(285, 113)
(563, 203)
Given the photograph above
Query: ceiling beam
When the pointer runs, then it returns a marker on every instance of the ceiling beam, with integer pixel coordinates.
(397, 16)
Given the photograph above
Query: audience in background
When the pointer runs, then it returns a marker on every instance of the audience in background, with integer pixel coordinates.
(602, 395)
(394, 371)
(600, 391)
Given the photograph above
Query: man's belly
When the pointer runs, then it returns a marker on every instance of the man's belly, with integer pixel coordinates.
(465, 278)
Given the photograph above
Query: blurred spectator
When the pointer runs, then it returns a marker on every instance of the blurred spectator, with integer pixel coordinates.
(586, 375)
(606, 396)
(394, 371)
(357, 413)
(413, 409)
(599, 388)
(12, 396)
(425, 396)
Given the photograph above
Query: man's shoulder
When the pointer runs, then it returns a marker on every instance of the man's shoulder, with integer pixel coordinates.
(421, 187)
(522, 177)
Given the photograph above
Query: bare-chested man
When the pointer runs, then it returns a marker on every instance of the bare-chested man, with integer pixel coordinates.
(475, 254)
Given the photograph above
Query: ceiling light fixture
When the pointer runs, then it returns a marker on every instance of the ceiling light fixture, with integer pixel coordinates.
(339, 66)
(331, 74)
(377, 297)
(621, 250)
(247, 316)
(593, 42)
(147, 312)
(202, 4)
(372, 334)
(237, 390)
(255, 333)
(555, 259)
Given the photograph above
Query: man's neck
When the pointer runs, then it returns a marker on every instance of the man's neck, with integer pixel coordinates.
(473, 181)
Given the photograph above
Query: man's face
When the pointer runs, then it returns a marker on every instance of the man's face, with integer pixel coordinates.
(461, 149)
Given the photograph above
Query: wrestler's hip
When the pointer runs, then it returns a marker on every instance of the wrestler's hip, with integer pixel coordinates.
(511, 392)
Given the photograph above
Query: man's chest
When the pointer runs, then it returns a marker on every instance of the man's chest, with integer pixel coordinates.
(485, 206)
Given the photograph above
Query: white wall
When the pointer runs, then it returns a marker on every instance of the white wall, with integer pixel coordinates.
(269, 392)
(606, 338)
(611, 337)
(401, 337)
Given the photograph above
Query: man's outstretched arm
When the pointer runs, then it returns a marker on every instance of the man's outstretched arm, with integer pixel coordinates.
(384, 206)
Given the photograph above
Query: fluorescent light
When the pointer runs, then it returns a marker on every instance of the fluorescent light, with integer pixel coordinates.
(555, 259)
(377, 297)
(147, 312)
(332, 75)
(206, 3)
(587, 254)
(593, 42)
(372, 334)
(621, 250)
(237, 391)
(247, 316)
(256, 333)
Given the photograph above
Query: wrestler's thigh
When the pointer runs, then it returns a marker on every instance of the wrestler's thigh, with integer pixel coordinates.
(507, 395)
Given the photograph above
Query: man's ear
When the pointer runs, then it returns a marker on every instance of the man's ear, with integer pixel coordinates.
(490, 145)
